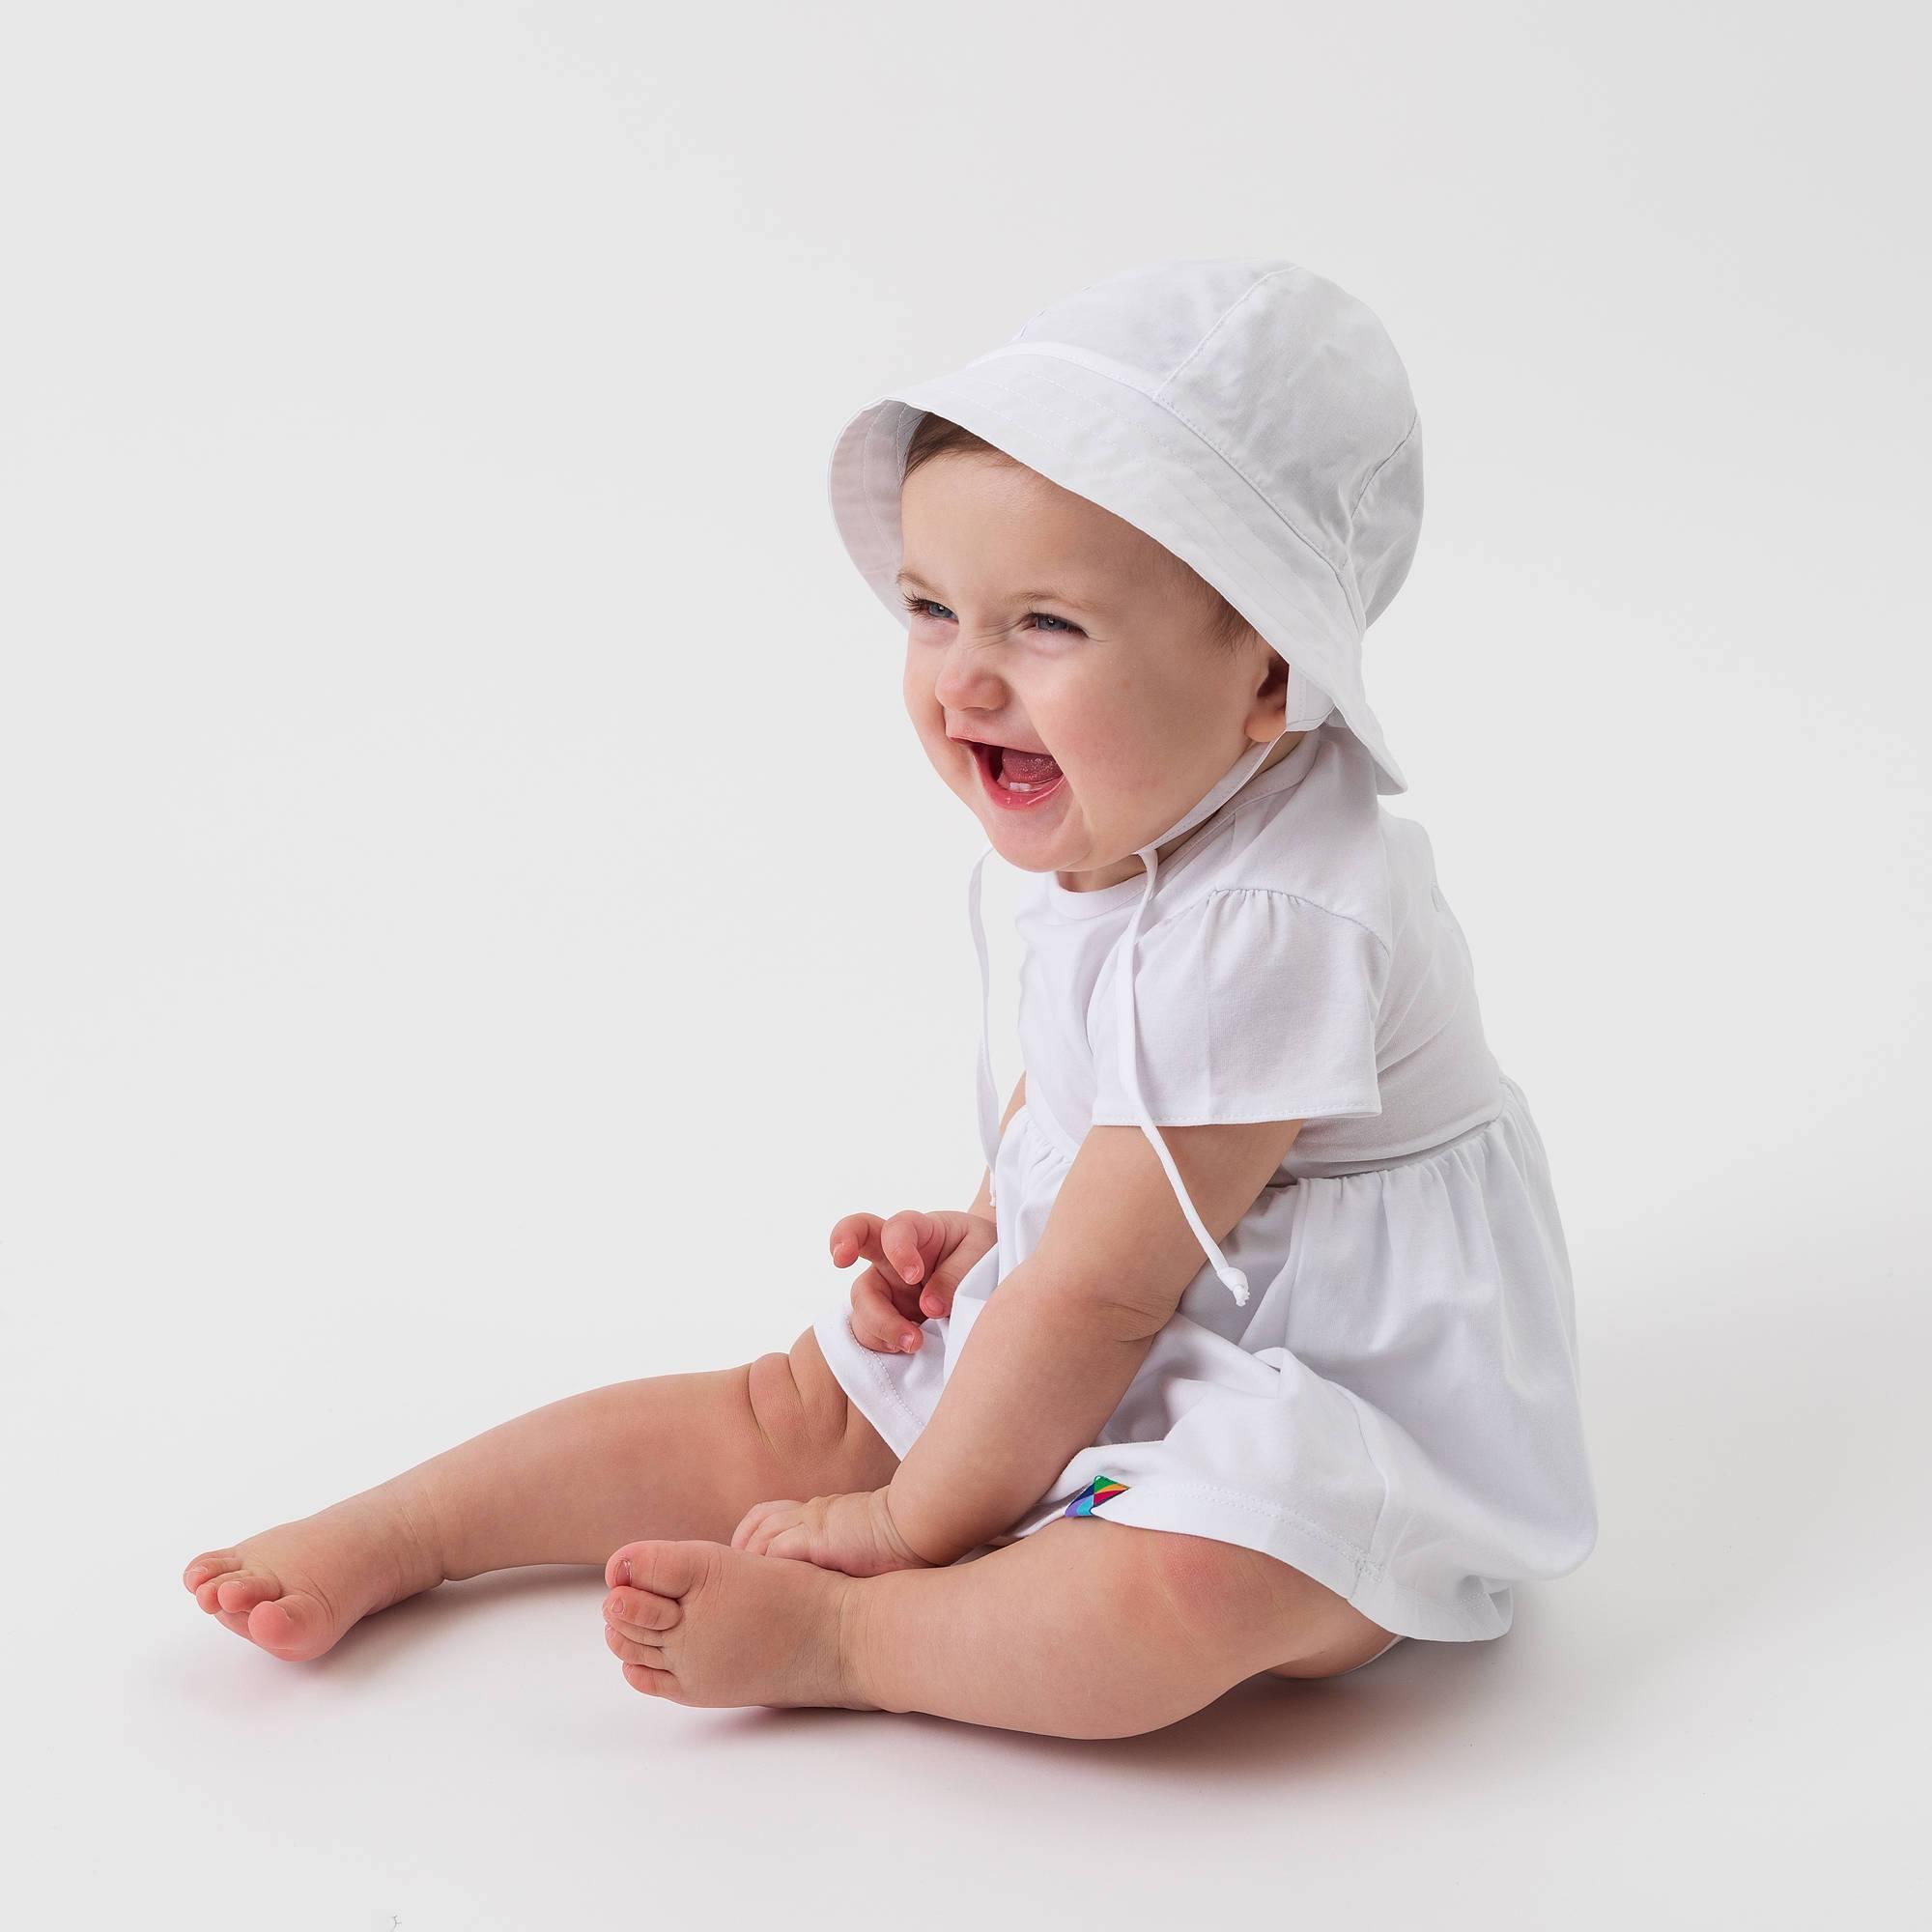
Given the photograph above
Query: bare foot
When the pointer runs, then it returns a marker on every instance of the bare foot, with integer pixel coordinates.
(295, 1588)
(702, 1624)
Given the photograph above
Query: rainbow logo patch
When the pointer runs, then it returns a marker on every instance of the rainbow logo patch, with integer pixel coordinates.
(1101, 1489)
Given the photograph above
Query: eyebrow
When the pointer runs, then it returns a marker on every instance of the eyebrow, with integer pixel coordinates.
(907, 581)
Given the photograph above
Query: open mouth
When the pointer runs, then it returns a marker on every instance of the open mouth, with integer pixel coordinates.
(1015, 778)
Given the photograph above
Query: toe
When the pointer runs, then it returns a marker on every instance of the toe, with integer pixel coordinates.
(665, 1568)
(209, 1563)
(641, 1610)
(243, 1589)
(296, 1626)
(653, 1683)
(630, 1650)
(208, 1592)
(619, 1569)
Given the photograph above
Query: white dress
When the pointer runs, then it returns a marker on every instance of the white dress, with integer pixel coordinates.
(1395, 1406)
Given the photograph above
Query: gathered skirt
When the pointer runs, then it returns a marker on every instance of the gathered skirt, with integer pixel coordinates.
(1396, 1412)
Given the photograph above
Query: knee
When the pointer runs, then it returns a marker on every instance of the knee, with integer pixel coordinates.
(790, 1405)
(1172, 1591)
(1225, 1589)
(807, 1423)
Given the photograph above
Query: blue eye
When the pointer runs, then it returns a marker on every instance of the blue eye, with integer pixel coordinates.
(925, 607)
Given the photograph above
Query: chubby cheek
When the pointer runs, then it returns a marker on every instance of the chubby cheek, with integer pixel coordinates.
(1119, 780)
(1101, 763)
(953, 761)
(922, 706)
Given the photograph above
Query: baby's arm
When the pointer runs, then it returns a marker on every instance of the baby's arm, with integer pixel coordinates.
(1054, 1349)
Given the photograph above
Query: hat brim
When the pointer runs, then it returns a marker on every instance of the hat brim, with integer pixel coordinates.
(1107, 441)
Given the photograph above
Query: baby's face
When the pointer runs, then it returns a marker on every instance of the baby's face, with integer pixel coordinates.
(1040, 621)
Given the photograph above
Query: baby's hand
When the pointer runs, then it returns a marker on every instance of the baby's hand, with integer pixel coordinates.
(854, 1533)
(918, 1260)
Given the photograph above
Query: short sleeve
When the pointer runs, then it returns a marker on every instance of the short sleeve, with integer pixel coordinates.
(1253, 1005)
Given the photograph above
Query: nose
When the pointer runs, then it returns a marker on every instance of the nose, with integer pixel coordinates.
(966, 679)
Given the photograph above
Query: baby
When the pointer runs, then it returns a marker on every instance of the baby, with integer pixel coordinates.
(1047, 1470)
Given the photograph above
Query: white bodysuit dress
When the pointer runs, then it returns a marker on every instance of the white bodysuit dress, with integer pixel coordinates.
(1390, 1398)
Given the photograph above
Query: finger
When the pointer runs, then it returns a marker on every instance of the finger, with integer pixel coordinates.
(965, 1254)
(748, 1531)
(904, 1246)
(911, 1243)
(855, 1238)
(877, 1320)
(759, 1542)
(903, 1300)
(935, 1298)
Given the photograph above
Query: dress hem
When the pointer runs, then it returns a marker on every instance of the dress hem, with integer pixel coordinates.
(1187, 1509)
(1227, 1516)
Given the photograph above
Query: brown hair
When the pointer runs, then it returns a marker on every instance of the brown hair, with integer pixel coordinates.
(935, 435)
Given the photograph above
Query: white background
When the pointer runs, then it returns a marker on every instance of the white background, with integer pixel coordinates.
(476, 913)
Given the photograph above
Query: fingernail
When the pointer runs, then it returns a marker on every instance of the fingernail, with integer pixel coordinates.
(914, 1270)
(930, 1303)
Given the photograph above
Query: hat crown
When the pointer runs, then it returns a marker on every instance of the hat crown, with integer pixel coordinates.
(1294, 380)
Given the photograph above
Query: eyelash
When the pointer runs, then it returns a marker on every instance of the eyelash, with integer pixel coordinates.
(916, 606)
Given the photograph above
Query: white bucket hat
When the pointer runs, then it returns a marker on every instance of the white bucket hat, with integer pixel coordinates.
(1249, 416)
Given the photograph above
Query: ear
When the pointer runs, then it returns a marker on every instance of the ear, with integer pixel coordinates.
(1268, 712)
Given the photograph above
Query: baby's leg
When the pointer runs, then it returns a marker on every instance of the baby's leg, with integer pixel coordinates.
(672, 1456)
(1085, 1628)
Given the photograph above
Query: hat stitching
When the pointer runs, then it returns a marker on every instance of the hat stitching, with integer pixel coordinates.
(1196, 431)
(1183, 484)
(1383, 465)
(1087, 359)
(1233, 310)
(1226, 457)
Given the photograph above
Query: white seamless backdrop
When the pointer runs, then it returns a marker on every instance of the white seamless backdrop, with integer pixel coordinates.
(475, 912)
